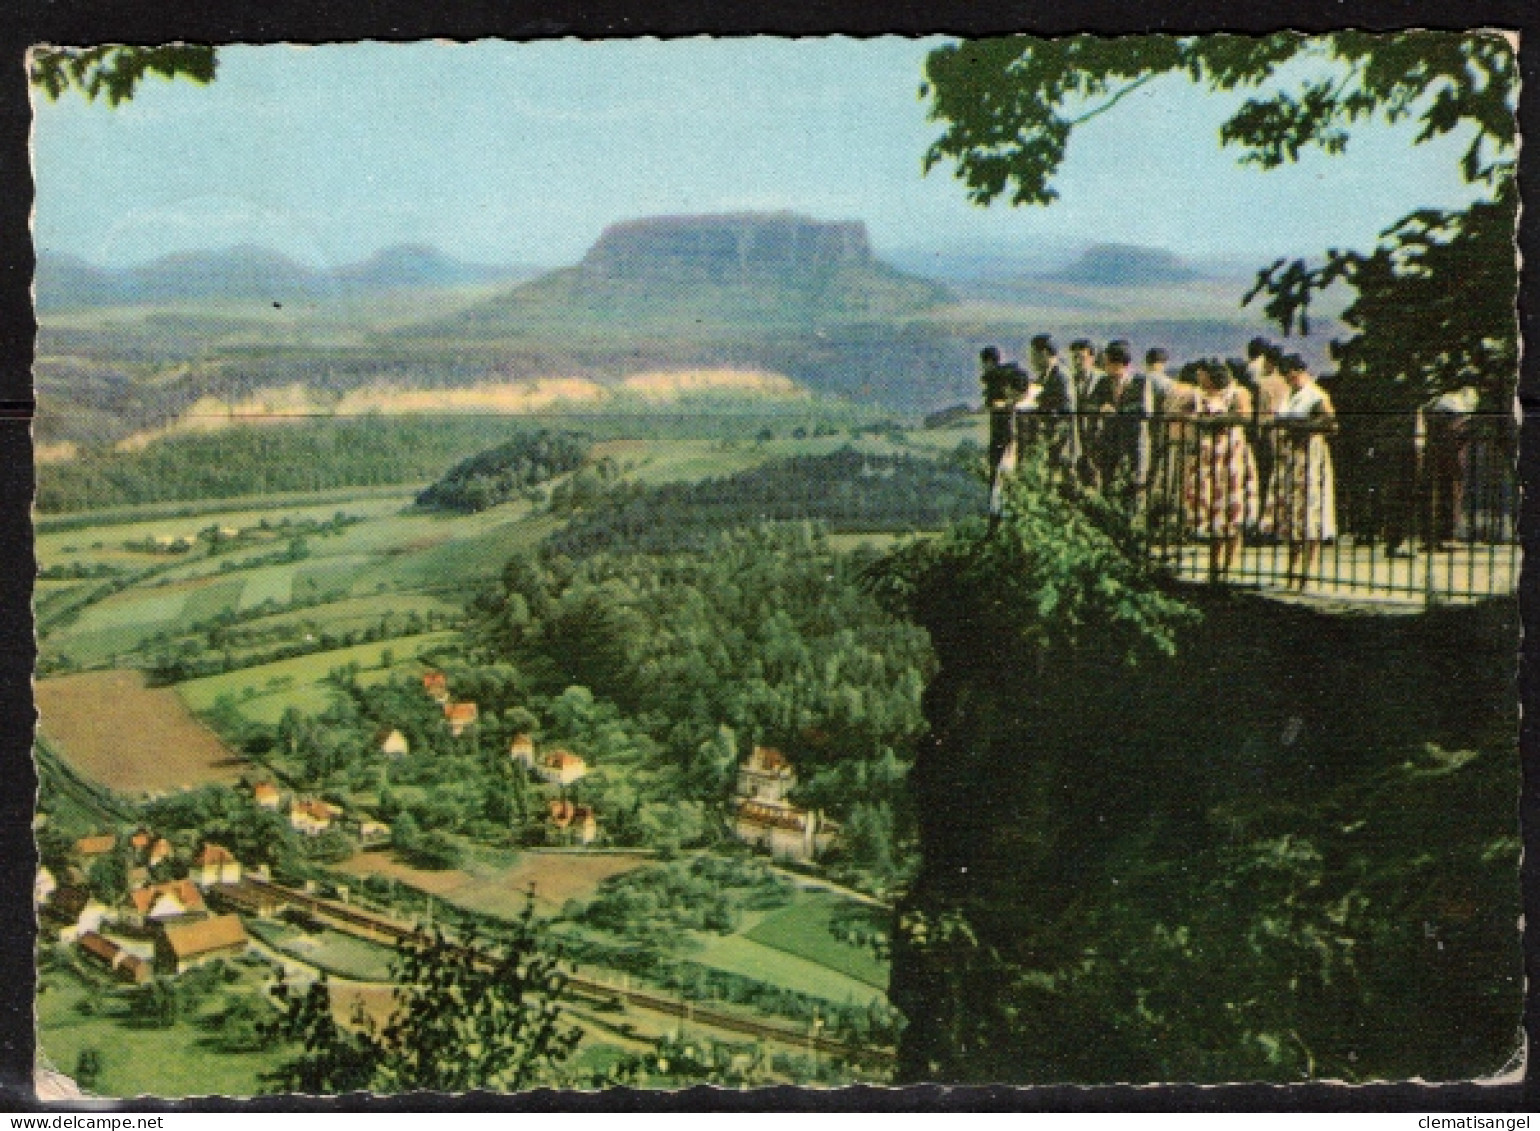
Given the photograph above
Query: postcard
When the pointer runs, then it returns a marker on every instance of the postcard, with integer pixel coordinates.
(776, 561)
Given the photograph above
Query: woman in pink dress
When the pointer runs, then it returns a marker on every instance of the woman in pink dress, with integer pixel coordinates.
(1221, 483)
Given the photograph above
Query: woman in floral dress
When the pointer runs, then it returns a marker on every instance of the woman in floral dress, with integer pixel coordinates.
(1221, 483)
(1302, 498)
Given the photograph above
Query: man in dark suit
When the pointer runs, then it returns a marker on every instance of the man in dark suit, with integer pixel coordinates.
(1058, 406)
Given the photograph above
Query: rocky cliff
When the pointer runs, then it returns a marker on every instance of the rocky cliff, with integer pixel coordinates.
(726, 248)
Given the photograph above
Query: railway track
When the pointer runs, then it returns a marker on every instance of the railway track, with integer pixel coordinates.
(362, 922)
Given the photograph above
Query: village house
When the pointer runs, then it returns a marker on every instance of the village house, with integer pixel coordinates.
(214, 864)
(436, 685)
(370, 833)
(522, 750)
(312, 817)
(72, 911)
(150, 849)
(560, 767)
(160, 903)
(110, 956)
(392, 743)
(266, 795)
(460, 716)
(576, 823)
(766, 776)
(783, 830)
(763, 818)
(180, 946)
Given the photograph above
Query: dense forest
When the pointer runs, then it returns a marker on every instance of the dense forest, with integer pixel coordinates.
(507, 471)
(768, 636)
(846, 490)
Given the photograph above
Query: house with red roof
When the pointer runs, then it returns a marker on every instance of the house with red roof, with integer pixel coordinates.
(762, 817)
(312, 817)
(785, 831)
(103, 952)
(266, 795)
(574, 823)
(215, 864)
(560, 767)
(460, 716)
(436, 685)
(160, 903)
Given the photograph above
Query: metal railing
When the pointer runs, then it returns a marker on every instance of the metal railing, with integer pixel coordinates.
(1412, 508)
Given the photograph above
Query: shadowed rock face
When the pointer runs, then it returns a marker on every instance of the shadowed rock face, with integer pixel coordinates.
(725, 248)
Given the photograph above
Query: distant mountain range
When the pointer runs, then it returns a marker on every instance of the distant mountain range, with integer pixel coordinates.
(251, 272)
(763, 293)
(697, 279)
(1125, 265)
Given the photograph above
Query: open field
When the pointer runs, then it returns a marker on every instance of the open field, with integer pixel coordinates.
(802, 930)
(500, 892)
(554, 878)
(132, 738)
(441, 882)
(740, 954)
(263, 693)
(179, 1061)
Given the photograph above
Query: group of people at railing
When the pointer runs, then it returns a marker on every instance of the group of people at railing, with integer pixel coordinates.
(1223, 451)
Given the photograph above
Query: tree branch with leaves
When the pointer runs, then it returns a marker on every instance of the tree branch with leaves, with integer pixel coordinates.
(1009, 108)
(115, 72)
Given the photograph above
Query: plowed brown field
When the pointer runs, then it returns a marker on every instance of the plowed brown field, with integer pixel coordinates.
(129, 737)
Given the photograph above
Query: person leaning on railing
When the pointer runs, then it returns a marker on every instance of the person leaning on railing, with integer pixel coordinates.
(1221, 476)
(1005, 383)
(1057, 407)
(1301, 507)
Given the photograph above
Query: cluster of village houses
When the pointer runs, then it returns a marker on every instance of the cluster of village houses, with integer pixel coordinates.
(761, 814)
(169, 926)
(157, 928)
(166, 927)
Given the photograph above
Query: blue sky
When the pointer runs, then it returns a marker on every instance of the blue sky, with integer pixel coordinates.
(522, 153)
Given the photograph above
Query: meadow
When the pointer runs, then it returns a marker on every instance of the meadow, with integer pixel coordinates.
(75, 1013)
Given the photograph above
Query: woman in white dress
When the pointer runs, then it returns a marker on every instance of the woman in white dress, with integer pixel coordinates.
(1302, 497)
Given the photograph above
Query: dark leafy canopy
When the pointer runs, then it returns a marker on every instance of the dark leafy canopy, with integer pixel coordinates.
(1435, 297)
(114, 73)
(467, 1016)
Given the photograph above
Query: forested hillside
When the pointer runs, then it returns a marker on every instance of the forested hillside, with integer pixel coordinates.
(766, 637)
(846, 490)
(506, 471)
